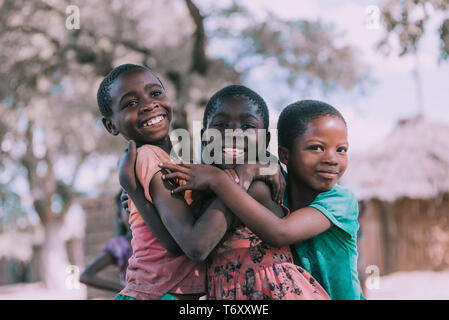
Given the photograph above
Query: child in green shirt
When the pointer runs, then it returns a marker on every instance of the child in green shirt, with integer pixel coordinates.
(322, 226)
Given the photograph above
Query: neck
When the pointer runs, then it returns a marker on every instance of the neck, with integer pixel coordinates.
(299, 195)
(165, 144)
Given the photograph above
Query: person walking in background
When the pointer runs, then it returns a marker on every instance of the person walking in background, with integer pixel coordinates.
(116, 252)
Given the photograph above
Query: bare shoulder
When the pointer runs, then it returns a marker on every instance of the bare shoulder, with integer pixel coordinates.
(261, 192)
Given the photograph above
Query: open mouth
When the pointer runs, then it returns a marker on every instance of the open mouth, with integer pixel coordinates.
(233, 152)
(153, 121)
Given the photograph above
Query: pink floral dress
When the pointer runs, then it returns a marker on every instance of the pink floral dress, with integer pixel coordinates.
(243, 267)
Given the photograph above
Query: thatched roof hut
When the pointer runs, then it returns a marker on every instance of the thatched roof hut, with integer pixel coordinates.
(412, 162)
(403, 183)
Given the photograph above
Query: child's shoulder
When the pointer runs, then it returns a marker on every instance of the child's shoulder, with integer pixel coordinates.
(148, 148)
(339, 191)
(153, 153)
(339, 203)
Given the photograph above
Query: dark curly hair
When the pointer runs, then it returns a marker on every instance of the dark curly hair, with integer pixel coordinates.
(294, 119)
(236, 91)
(104, 98)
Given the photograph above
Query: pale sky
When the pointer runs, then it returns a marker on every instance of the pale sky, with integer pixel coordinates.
(370, 117)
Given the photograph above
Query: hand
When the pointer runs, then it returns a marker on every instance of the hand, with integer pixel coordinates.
(197, 176)
(233, 175)
(124, 201)
(126, 168)
(277, 183)
(249, 172)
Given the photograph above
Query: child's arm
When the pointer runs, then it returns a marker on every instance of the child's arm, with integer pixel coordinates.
(146, 209)
(196, 238)
(247, 173)
(298, 226)
(90, 277)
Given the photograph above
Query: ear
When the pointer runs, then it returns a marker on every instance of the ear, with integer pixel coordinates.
(283, 155)
(109, 125)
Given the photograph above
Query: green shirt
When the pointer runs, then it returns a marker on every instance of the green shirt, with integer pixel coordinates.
(331, 257)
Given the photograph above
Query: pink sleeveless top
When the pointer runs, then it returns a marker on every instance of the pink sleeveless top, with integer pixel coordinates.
(152, 270)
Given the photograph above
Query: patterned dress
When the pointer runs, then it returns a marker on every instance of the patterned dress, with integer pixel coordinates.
(243, 267)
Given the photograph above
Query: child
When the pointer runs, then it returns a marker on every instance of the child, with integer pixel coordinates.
(323, 224)
(242, 266)
(133, 103)
(116, 252)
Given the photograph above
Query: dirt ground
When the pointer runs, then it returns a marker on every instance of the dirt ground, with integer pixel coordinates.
(36, 291)
(416, 285)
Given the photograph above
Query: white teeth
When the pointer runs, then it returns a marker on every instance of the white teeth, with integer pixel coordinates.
(233, 151)
(153, 121)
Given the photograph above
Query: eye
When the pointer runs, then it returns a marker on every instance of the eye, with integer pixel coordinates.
(316, 147)
(158, 93)
(342, 149)
(219, 125)
(247, 126)
(130, 103)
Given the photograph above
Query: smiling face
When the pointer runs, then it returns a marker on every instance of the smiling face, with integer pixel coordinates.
(236, 113)
(141, 109)
(318, 158)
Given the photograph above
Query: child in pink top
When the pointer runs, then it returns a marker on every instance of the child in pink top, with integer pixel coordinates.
(133, 103)
(152, 270)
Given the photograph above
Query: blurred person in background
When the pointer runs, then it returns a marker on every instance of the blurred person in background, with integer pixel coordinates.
(116, 251)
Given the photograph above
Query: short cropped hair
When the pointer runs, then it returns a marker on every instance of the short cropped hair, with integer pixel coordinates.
(236, 91)
(294, 119)
(104, 98)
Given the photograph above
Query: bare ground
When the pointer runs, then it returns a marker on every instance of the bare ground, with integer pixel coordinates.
(415, 285)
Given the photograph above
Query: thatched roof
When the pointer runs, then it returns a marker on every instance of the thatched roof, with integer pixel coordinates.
(413, 162)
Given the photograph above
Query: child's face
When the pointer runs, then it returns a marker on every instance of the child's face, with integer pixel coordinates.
(318, 158)
(236, 113)
(141, 109)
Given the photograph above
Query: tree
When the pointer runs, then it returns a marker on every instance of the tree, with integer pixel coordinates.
(310, 53)
(406, 21)
(48, 80)
(49, 74)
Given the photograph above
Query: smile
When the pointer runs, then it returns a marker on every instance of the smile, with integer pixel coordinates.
(327, 174)
(152, 121)
(233, 152)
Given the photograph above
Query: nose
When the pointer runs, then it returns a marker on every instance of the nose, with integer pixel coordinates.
(148, 106)
(330, 157)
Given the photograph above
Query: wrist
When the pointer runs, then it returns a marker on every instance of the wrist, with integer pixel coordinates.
(218, 179)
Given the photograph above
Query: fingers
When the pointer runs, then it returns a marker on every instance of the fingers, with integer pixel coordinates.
(181, 188)
(124, 200)
(233, 175)
(174, 167)
(176, 175)
(283, 187)
(126, 166)
(130, 153)
(132, 149)
(277, 184)
(275, 192)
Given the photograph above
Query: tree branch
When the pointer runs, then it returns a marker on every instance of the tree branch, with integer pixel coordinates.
(199, 59)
